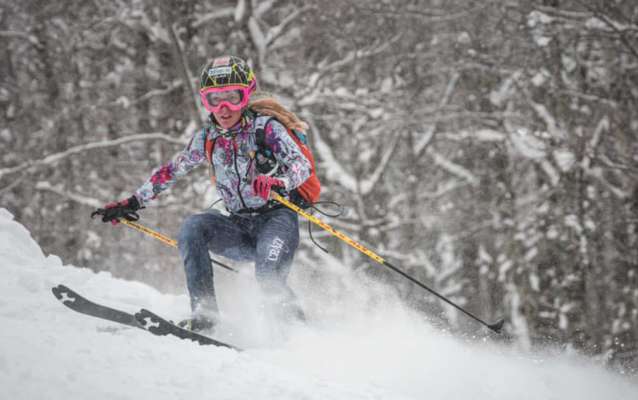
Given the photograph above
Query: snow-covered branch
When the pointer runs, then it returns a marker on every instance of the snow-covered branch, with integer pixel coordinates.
(258, 38)
(21, 35)
(553, 128)
(426, 139)
(348, 104)
(126, 103)
(423, 195)
(56, 157)
(550, 170)
(188, 77)
(140, 22)
(428, 117)
(453, 168)
(276, 31)
(429, 16)
(480, 135)
(242, 10)
(597, 174)
(567, 15)
(261, 38)
(614, 26)
(368, 184)
(78, 198)
(228, 12)
(349, 59)
(603, 126)
(330, 166)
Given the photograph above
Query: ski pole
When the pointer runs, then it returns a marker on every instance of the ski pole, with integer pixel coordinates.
(150, 232)
(496, 327)
(162, 238)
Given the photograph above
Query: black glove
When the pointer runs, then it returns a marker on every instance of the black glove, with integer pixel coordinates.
(112, 212)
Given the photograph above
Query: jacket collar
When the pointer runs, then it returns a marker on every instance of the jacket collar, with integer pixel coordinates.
(244, 125)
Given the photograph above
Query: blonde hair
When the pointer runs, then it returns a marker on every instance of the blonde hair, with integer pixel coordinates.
(266, 104)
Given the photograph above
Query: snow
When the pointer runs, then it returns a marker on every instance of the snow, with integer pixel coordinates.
(333, 170)
(453, 168)
(608, 24)
(5, 134)
(541, 77)
(240, 10)
(537, 20)
(464, 38)
(537, 17)
(565, 159)
(489, 135)
(551, 172)
(364, 345)
(527, 145)
(506, 90)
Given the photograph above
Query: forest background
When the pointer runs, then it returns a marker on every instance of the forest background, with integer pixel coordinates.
(489, 148)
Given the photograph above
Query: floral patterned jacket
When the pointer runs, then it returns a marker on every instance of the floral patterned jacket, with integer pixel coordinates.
(234, 167)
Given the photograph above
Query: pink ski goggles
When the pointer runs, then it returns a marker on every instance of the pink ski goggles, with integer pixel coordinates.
(234, 97)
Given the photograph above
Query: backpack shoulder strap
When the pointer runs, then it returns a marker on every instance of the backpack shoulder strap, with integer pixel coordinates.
(260, 131)
(209, 145)
(261, 121)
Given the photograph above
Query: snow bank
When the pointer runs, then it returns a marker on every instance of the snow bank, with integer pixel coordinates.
(353, 351)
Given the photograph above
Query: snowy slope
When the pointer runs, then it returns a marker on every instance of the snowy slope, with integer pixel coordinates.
(50, 352)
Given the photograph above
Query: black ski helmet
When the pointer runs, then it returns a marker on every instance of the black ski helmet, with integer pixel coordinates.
(227, 71)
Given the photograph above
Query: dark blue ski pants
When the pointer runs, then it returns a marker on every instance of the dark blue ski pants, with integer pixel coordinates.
(268, 239)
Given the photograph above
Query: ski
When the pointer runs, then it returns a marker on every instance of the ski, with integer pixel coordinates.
(161, 327)
(144, 319)
(82, 305)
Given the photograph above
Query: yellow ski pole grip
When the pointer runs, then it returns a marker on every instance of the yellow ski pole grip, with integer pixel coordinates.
(150, 232)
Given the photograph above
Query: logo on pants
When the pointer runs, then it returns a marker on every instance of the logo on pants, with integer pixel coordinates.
(275, 249)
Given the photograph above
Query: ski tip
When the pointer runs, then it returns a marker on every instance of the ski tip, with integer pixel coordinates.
(141, 316)
(58, 291)
(66, 296)
(497, 326)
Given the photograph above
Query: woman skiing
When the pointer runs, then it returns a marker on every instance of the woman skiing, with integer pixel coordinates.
(256, 228)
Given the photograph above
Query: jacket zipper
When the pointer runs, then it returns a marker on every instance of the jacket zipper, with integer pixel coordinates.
(241, 198)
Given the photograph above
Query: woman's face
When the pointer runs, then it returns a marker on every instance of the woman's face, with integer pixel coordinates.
(226, 117)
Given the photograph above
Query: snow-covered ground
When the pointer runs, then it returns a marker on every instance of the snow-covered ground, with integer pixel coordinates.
(351, 351)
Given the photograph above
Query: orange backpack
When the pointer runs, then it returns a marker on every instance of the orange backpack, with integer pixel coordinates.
(310, 190)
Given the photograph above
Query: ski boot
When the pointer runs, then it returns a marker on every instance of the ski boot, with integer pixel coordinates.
(197, 324)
